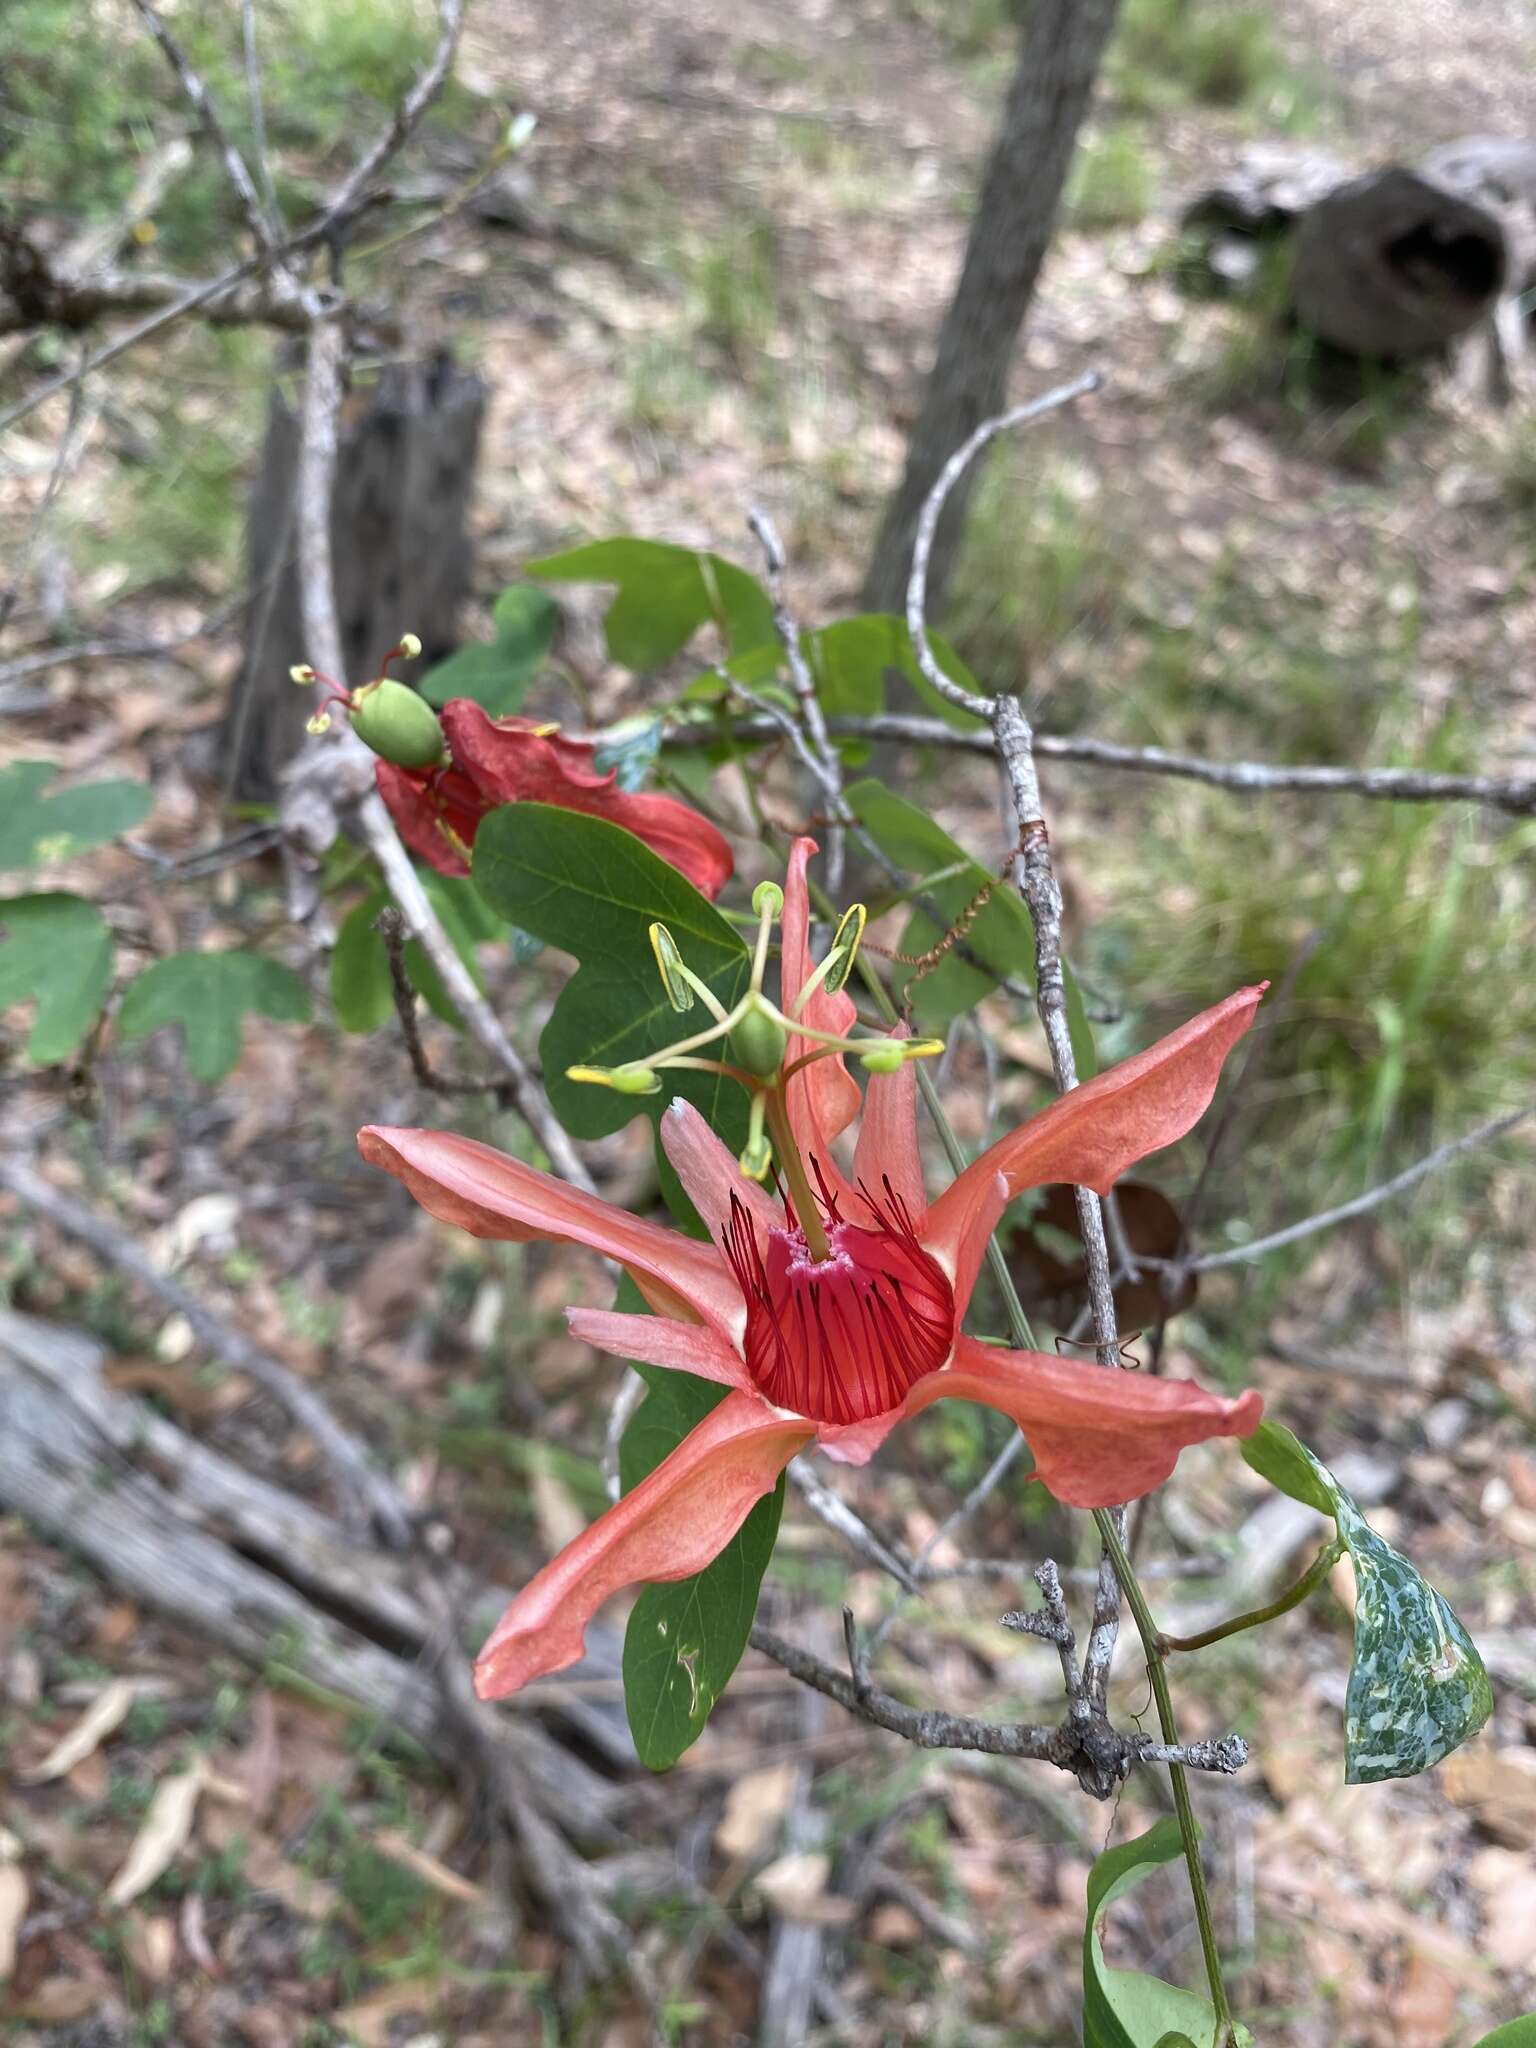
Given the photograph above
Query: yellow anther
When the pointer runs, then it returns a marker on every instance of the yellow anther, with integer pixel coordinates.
(410, 646)
(669, 965)
(845, 948)
(633, 1078)
(321, 722)
(301, 672)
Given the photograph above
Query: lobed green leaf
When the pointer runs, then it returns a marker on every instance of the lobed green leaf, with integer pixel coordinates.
(1126, 2008)
(36, 827)
(58, 956)
(209, 996)
(665, 594)
(498, 676)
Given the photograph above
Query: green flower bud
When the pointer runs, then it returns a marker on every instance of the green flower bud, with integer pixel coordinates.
(883, 1057)
(759, 1042)
(398, 725)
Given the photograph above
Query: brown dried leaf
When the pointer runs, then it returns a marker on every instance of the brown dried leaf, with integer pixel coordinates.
(150, 1940)
(754, 1808)
(368, 2021)
(162, 1837)
(107, 1712)
(796, 1887)
(400, 1849)
(260, 1762)
(57, 2000)
(1498, 1788)
(14, 1894)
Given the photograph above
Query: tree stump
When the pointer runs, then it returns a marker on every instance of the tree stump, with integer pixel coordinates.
(1396, 265)
(400, 544)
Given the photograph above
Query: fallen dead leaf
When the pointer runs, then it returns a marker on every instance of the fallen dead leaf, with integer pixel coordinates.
(559, 1516)
(14, 1894)
(796, 1887)
(161, 1838)
(368, 2021)
(194, 1933)
(1507, 1883)
(894, 1926)
(1498, 1788)
(1423, 2005)
(151, 1944)
(754, 1808)
(399, 1849)
(260, 1762)
(107, 1712)
(57, 2000)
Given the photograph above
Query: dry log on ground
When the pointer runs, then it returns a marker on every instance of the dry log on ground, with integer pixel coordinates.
(243, 1564)
(1394, 263)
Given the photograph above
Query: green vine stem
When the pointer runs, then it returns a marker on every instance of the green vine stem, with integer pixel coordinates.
(1189, 1831)
(1307, 1584)
(1125, 1571)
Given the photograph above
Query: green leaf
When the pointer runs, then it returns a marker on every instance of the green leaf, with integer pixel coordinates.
(210, 995)
(1079, 1030)
(593, 890)
(1001, 934)
(686, 1638)
(361, 990)
(360, 986)
(58, 955)
(1125, 2008)
(1417, 1687)
(35, 827)
(665, 594)
(498, 676)
(1519, 2033)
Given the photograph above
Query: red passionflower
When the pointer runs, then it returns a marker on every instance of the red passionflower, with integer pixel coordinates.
(836, 1348)
(514, 760)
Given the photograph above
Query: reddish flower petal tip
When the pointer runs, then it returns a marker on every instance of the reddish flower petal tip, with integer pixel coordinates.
(677, 1520)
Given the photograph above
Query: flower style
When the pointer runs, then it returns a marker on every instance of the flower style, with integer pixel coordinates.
(515, 760)
(832, 1309)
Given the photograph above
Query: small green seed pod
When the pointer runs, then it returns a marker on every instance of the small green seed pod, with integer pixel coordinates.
(758, 1043)
(398, 725)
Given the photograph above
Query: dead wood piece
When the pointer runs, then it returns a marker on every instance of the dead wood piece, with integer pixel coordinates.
(1396, 264)
(406, 457)
(226, 1555)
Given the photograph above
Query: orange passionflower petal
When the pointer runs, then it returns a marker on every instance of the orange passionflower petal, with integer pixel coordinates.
(675, 1522)
(461, 1181)
(1099, 1435)
(1090, 1136)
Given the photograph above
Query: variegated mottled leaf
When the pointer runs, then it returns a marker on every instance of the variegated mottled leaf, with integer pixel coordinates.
(1417, 1687)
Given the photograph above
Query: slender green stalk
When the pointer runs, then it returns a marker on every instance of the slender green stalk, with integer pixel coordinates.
(1309, 1582)
(1189, 1832)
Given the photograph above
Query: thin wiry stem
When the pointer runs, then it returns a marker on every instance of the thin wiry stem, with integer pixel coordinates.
(1515, 794)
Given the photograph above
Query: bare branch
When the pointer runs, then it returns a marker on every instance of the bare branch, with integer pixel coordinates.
(345, 763)
(352, 194)
(927, 526)
(236, 170)
(811, 713)
(1098, 1755)
(1515, 794)
(1361, 1205)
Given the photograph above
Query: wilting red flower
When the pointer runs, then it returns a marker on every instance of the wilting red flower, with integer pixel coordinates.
(843, 1347)
(514, 760)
